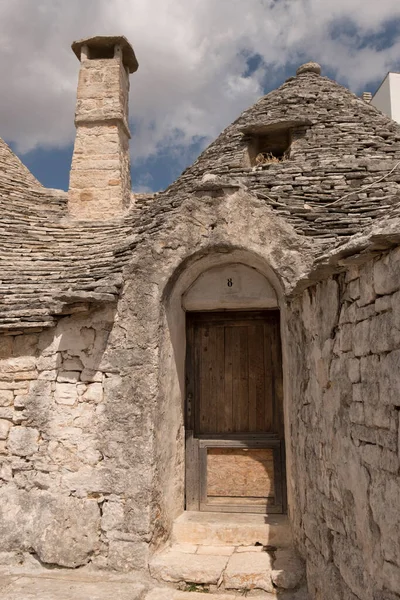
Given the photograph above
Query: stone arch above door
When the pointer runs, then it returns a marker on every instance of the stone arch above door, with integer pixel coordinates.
(185, 271)
(230, 286)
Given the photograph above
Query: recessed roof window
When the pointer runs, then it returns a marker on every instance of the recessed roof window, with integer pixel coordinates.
(272, 147)
(270, 143)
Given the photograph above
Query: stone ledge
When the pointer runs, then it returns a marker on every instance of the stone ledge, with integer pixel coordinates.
(175, 566)
(222, 529)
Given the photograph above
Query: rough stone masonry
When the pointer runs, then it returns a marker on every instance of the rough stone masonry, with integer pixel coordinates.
(92, 348)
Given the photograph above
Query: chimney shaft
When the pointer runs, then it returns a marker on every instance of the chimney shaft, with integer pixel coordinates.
(100, 183)
(367, 97)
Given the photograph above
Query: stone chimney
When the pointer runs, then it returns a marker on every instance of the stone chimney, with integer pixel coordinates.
(367, 97)
(100, 183)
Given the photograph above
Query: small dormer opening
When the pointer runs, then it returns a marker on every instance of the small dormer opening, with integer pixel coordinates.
(266, 143)
(270, 147)
(99, 52)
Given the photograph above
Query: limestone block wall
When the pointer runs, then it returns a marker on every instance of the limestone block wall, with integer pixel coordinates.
(103, 89)
(344, 349)
(100, 183)
(69, 483)
(104, 394)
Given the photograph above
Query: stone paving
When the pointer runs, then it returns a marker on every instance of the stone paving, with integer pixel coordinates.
(37, 583)
(61, 587)
(59, 584)
(165, 594)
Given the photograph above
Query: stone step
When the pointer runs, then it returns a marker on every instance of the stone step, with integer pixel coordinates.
(175, 566)
(229, 567)
(232, 529)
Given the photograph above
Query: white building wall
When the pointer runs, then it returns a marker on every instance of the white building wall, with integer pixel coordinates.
(394, 79)
(387, 97)
(381, 98)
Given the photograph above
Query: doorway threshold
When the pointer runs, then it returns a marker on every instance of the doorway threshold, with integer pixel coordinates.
(231, 551)
(232, 529)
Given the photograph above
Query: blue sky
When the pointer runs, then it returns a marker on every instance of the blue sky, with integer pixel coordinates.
(201, 66)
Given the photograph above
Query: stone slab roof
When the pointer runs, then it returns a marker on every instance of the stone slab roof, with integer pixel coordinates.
(343, 171)
(12, 170)
(342, 176)
(50, 265)
(381, 236)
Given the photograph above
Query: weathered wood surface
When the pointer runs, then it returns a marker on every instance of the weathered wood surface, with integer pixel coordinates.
(191, 472)
(236, 376)
(234, 388)
(241, 473)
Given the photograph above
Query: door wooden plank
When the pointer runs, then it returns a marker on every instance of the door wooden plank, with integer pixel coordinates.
(236, 503)
(220, 378)
(236, 383)
(240, 388)
(243, 399)
(277, 378)
(197, 378)
(203, 382)
(190, 378)
(213, 378)
(252, 379)
(227, 415)
(256, 379)
(208, 406)
(268, 380)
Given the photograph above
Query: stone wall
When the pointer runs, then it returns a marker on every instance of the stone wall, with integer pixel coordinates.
(99, 181)
(105, 390)
(92, 455)
(66, 480)
(344, 356)
(201, 234)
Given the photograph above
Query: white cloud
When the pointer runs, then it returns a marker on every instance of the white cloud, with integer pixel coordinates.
(192, 56)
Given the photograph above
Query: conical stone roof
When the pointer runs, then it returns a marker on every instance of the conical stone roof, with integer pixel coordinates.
(48, 262)
(12, 170)
(342, 167)
(341, 175)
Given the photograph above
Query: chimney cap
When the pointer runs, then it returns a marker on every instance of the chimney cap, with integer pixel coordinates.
(109, 41)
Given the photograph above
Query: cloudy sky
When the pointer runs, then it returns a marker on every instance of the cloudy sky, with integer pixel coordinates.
(201, 63)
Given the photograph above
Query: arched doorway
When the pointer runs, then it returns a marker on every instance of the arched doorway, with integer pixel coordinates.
(234, 426)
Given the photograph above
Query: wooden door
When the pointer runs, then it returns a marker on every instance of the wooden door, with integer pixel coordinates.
(234, 417)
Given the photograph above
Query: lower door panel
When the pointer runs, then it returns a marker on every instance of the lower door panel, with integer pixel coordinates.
(240, 475)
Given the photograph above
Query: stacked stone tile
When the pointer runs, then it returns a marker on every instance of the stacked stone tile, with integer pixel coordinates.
(342, 145)
(49, 265)
(342, 174)
(12, 170)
